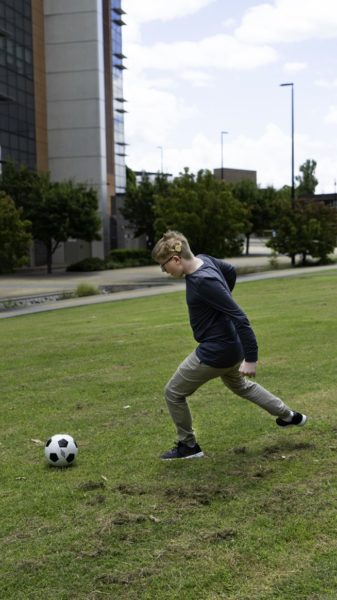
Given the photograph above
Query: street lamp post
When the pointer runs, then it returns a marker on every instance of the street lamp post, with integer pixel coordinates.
(161, 159)
(292, 155)
(292, 143)
(222, 134)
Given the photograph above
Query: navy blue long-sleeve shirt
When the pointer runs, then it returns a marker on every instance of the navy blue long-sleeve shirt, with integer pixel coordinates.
(219, 324)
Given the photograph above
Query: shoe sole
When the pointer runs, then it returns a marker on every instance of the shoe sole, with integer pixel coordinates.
(197, 455)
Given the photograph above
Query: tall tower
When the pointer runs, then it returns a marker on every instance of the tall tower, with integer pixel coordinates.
(61, 101)
(115, 110)
(23, 125)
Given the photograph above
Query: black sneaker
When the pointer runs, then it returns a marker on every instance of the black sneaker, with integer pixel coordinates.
(181, 450)
(297, 419)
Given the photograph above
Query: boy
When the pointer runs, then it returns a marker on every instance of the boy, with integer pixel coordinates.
(227, 344)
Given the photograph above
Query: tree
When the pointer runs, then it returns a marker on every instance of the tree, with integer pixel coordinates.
(57, 211)
(205, 210)
(252, 198)
(138, 207)
(307, 181)
(60, 211)
(308, 229)
(14, 236)
(275, 201)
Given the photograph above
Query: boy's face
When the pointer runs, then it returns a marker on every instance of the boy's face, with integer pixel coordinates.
(173, 266)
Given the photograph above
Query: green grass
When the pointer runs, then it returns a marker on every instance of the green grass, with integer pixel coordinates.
(255, 520)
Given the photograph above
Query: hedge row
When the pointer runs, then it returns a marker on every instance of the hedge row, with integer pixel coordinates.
(117, 259)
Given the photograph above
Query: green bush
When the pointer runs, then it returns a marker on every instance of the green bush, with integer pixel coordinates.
(88, 264)
(131, 257)
(117, 259)
(86, 289)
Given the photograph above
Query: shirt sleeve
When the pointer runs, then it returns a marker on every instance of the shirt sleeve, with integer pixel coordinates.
(228, 271)
(215, 295)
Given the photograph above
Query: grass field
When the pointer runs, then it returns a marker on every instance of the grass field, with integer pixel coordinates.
(254, 520)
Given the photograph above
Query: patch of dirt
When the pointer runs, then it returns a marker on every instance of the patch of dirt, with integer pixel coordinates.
(123, 518)
(108, 524)
(220, 535)
(200, 494)
(240, 450)
(288, 447)
(130, 490)
(94, 553)
(99, 499)
(29, 565)
(91, 485)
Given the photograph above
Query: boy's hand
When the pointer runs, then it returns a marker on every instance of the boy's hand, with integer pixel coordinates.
(248, 368)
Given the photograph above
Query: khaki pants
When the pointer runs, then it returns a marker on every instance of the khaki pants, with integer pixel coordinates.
(191, 374)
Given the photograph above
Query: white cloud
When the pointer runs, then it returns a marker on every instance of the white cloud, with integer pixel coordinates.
(196, 78)
(144, 11)
(332, 115)
(294, 67)
(268, 154)
(218, 51)
(228, 23)
(155, 113)
(164, 112)
(325, 83)
(289, 21)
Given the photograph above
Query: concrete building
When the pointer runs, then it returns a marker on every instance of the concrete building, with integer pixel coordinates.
(234, 175)
(62, 106)
(327, 199)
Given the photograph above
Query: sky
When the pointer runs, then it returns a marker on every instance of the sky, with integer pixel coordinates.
(197, 68)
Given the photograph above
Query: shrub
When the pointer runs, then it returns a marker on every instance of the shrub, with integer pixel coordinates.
(131, 257)
(117, 259)
(88, 264)
(86, 289)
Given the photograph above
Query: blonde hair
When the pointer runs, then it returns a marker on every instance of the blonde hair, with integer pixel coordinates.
(173, 243)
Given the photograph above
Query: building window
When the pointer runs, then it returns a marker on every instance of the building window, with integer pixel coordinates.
(17, 116)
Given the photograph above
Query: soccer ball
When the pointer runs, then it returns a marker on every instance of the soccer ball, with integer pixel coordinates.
(60, 450)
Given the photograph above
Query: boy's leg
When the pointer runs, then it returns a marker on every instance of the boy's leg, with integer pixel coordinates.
(254, 392)
(189, 376)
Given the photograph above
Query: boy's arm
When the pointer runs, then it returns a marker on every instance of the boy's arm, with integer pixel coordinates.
(228, 272)
(218, 297)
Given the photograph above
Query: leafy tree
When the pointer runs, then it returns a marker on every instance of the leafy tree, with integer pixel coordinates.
(205, 210)
(275, 201)
(138, 207)
(307, 181)
(57, 211)
(309, 229)
(14, 236)
(252, 198)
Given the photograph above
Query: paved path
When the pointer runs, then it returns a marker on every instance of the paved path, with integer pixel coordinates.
(28, 284)
(126, 283)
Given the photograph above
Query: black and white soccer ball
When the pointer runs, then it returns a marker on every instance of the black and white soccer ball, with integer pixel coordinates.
(61, 450)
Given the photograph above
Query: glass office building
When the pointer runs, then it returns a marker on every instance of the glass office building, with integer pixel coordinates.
(17, 105)
(61, 101)
(118, 100)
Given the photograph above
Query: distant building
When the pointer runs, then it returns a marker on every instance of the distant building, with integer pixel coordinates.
(234, 175)
(328, 199)
(151, 175)
(62, 105)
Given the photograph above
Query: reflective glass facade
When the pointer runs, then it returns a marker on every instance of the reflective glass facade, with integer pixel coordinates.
(17, 107)
(118, 99)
